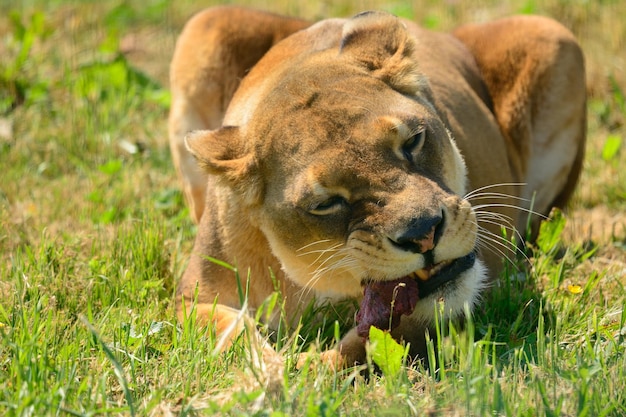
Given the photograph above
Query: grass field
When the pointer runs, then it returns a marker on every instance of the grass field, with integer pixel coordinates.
(94, 235)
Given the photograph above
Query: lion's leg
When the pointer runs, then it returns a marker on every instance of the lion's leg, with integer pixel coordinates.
(558, 130)
(213, 53)
(534, 70)
(227, 322)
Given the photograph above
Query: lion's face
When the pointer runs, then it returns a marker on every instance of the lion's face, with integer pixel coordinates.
(352, 176)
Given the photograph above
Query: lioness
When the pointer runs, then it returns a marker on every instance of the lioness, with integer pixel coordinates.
(366, 158)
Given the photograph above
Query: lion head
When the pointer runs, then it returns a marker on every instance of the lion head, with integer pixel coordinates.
(341, 158)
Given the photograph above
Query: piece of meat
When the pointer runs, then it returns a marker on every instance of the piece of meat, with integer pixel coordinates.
(378, 300)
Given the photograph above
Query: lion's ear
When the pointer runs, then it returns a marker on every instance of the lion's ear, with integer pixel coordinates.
(381, 43)
(222, 153)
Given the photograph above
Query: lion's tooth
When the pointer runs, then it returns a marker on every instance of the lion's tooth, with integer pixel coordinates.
(435, 269)
(422, 274)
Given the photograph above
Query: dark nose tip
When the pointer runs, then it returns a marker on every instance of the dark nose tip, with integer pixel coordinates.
(421, 234)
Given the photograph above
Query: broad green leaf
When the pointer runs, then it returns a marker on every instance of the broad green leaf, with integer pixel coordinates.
(386, 352)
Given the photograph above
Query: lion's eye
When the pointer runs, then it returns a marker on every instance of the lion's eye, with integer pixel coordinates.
(329, 206)
(413, 144)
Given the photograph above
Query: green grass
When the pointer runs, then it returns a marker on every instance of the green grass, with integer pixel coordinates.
(94, 235)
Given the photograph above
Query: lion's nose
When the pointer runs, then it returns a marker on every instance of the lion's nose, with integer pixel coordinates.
(421, 235)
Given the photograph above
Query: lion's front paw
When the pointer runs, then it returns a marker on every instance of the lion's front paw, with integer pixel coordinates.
(332, 359)
(349, 351)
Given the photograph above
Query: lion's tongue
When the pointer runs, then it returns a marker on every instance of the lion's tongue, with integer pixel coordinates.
(376, 307)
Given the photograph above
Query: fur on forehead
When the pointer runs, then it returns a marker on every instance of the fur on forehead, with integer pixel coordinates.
(376, 41)
(382, 44)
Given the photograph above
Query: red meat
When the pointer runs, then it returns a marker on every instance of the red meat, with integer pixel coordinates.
(384, 302)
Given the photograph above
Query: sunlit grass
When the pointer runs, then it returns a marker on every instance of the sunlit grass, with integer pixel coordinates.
(94, 235)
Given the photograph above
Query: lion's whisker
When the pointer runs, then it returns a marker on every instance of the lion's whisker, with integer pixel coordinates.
(499, 240)
(321, 252)
(493, 239)
(486, 187)
(496, 241)
(328, 259)
(497, 219)
(321, 265)
(509, 228)
(490, 245)
(330, 249)
(481, 214)
(346, 263)
(501, 222)
(526, 210)
(317, 242)
(484, 196)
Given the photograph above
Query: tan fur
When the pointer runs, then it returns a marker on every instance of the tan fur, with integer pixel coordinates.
(313, 177)
(212, 55)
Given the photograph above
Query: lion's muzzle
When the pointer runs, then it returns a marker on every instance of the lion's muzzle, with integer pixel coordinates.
(385, 302)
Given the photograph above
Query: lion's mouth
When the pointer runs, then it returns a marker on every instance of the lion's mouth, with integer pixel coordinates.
(385, 302)
(433, 277)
